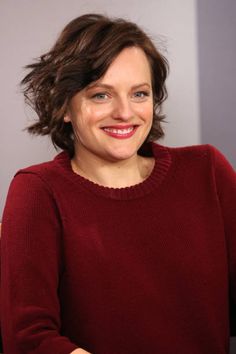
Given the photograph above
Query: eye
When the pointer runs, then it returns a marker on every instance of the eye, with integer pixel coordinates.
(100, 96)
(141, 95)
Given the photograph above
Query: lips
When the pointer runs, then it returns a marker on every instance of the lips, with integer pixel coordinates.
(120, 132)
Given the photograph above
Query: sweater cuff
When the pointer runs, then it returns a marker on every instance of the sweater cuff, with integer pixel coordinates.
(59, 345)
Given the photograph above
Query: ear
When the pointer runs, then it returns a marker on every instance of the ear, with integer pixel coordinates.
(66, 118)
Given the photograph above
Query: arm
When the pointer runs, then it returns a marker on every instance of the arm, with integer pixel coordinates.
(31, 267)
(225, 178)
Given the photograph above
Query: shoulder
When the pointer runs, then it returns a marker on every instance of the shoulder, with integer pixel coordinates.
(193, 153)
(204, 158)
(47, 171)
(41, 168)
(201, 160)
(38, 179)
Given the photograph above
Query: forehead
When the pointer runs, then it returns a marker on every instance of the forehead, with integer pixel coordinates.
(130, 65)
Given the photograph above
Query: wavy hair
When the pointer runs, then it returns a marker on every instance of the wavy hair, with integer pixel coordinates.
(82, 54)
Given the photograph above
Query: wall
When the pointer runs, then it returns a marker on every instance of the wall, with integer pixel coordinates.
(217, 77)
(28, 28)
(217, 70)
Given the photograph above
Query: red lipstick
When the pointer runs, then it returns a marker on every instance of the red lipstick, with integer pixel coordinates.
(120, 131)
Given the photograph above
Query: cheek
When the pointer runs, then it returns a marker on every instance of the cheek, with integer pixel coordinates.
(145, 111)
(94, 113)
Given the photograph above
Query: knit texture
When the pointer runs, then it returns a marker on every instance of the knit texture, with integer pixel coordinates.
(147, 269)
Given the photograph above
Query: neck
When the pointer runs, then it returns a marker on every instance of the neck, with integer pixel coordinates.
(119, 174)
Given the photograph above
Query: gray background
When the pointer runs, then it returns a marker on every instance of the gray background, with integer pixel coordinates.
(216, 28)
(217, 73)
(197, 36)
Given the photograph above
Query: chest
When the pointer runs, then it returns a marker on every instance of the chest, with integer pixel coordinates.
(182, 238)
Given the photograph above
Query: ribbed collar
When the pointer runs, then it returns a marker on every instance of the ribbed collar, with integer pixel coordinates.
(162, 164)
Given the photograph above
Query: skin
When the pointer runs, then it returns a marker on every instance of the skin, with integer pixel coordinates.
(79, 351)
(122, 98)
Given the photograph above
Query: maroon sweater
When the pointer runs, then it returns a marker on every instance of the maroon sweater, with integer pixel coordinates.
(147, 269)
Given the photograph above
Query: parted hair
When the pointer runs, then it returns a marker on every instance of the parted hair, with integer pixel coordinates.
(81, 55)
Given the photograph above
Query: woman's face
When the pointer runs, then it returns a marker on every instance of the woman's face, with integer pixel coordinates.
(112, 117)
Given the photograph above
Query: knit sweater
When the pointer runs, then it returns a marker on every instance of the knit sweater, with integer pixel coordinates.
(147, 269)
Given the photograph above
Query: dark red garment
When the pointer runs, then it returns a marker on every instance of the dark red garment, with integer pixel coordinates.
(147, 269)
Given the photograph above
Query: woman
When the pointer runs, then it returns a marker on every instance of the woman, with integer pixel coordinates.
(119, 245)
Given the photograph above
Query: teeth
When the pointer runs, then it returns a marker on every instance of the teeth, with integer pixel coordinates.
(119, 131)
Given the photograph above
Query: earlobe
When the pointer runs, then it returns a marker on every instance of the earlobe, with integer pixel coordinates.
(66, 118)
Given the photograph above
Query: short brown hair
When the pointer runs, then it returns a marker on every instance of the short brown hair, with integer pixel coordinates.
(82, 54)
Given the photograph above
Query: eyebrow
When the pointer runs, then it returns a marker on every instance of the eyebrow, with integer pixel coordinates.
(110, 87)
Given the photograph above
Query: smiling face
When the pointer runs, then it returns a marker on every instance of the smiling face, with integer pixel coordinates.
(112, 117)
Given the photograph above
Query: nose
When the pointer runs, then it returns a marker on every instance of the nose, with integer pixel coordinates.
(122, 109)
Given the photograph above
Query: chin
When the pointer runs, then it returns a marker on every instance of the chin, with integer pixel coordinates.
(122, 155)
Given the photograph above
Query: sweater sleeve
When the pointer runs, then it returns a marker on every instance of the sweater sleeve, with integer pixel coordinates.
(31, 265)
(226, 188)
